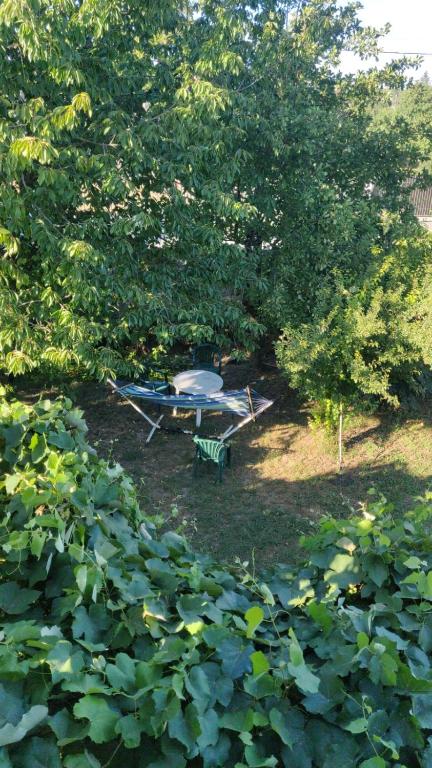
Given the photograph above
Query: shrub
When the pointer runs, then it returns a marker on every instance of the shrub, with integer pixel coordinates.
(120, 645)
(363, 343)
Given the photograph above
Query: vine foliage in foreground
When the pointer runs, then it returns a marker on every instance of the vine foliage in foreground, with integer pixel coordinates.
(121, 647)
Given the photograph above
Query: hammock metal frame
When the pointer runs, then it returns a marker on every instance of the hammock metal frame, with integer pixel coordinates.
(239, 402)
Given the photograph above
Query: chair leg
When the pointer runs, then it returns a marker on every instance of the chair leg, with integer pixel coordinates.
(195, 465)
(228, 453)
(220, 471)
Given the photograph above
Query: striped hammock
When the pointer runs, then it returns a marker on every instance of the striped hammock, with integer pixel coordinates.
(246, 403)
(238, 401)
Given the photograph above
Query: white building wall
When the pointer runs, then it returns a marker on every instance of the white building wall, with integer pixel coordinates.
(426, 221)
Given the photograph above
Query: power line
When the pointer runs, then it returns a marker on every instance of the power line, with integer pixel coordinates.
(408, 53)
(396, 53)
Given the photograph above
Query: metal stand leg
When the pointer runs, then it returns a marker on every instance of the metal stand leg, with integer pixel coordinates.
(153, 429)
(198, 417)
(175, 409)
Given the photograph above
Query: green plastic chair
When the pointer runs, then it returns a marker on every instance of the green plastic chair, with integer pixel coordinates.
(211, 450)
(156, 380)
(207, 357)
(156, 385)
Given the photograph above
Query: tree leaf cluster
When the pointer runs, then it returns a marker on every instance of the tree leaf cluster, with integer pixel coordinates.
(184, 172)
(119, 151)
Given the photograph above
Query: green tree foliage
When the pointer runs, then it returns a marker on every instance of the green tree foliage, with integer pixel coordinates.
(178, 172)
(118, 153)
(348, 267)
(410, 108)
(363, 341)
(313, 161)
(118, 646)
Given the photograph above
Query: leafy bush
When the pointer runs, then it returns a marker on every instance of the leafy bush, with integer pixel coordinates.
(118, 645)
(364, 339)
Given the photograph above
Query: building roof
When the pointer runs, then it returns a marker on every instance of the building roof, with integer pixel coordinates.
(421, 199)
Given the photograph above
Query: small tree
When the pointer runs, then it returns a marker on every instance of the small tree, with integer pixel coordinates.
(361, 341)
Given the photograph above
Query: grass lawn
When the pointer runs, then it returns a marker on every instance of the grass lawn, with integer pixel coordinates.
(284, 475)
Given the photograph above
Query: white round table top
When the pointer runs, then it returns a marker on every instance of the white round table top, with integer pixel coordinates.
(198, 382)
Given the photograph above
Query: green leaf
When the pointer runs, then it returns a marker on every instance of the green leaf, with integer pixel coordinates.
(12, 702)
(38, 752)
(241, 720)
(102, 718)
(259, 663)
(62, 440)
(261, 686)
(255, 760)
(37, 543)
(235, 657)
(266, 594)
(12, 435)
(295, 651)
(15, 599)
(254, 616)
(64, 661)
(162, 574)
(66, 729)
(376, 569)
(130, 729)
(81, 577)
(11, 483)
(209, 726)
(10, 734)
(171, 650)
(305, 679)
(373, 762)
(121, 675)
(38, 447)
(321, 615)
(280, 724)
(343, 571)
(359, 725)
(191, 607)
(185, 727)
(198, 686)
(168, 762)
(81, 760)
(425, 585)
(218, 754)
(422, 709)
(92, 623)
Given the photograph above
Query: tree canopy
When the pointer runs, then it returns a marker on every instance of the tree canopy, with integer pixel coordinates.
(188, 171)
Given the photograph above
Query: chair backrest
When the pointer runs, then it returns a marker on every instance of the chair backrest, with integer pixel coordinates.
(208, 357)
(209, 449)
(154, 379)
(156, 385)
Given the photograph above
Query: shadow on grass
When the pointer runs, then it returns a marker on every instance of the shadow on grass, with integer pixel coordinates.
(389, 422)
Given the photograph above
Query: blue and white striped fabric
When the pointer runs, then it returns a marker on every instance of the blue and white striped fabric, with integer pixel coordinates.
(235, 401)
